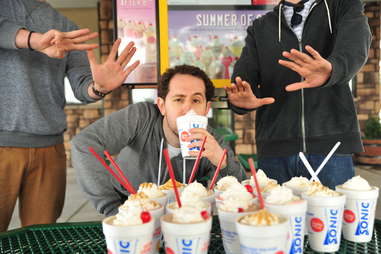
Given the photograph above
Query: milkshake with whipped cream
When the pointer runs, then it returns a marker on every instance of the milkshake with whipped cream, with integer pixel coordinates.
(196, 191)
(153, 192)
(155, 209)
(194, 194)
(169, 209)
(263, 232)
(298, 185)
(324, 217)
(233, 203)
(187, 230)
(282, 201)
(360, 209)
(168, 189)
(130, 231)
(223, 184)
(265, 183)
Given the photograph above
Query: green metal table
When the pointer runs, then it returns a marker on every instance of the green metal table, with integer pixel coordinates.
(87, 237)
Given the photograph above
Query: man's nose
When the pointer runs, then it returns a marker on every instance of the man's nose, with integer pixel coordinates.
(186, 107)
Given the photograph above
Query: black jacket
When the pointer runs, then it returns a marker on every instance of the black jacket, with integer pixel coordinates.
(309, 120)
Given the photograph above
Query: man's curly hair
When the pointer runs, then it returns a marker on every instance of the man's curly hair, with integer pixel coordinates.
(166, 77)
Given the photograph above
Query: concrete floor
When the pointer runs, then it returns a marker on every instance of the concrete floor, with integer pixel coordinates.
(78, 209)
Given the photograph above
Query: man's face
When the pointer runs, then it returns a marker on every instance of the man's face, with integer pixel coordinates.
(186, 92)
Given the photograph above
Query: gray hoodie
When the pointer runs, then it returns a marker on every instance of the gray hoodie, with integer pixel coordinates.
(32, 95)
(134, 132)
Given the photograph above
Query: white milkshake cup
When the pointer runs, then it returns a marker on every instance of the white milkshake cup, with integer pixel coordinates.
(324, 221)
(359, 214)
(135, 239)
(263, 239)
(295, 211)
(229, 233)
(184, 124)
(191, 238)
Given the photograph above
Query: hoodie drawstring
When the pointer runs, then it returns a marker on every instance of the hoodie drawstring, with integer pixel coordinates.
(280, 22)
(329, 16)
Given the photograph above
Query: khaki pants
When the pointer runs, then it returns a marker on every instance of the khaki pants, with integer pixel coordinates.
(37, 176)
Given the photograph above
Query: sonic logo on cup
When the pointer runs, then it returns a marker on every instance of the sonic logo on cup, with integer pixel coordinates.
(124, 247)
(331, 236)
(362, 227)
(296, 246)
(196, 125)
(186, 246)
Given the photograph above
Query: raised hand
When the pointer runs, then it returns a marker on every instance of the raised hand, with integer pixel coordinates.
(241, 95)
(56, 44)
(212, 149)
(314, 69)
(113, 72)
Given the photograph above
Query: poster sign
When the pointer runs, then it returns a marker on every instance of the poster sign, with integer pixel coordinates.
(223, 2)
(136, 21)
(208, 38)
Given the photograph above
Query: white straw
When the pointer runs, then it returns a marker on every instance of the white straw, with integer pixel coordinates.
(328, 157)
(308, 166)
(160, 158)
(184, 169)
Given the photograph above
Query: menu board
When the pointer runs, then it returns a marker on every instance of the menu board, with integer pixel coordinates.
(136, 20)
(210, 38)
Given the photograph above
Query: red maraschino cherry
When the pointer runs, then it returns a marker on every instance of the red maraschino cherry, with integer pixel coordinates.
(205, 215)
(240, 210)
(145, 216)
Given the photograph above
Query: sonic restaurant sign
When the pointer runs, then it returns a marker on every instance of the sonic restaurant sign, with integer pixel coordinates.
(210, 39)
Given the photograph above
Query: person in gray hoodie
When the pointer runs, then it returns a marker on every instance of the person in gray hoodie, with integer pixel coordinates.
(136, 133)
(33, 66)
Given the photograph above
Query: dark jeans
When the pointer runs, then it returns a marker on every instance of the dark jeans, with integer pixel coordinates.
(338, 169)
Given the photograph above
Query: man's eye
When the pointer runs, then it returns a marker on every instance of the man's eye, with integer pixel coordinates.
(197, 101)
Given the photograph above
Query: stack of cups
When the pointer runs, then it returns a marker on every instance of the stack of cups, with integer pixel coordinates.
(184, 124)
(186, 238)
(359, 214)
(128, 239)
(324, 221)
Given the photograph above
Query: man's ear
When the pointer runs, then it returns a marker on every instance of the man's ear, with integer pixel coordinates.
(208, 107)
(160, 105)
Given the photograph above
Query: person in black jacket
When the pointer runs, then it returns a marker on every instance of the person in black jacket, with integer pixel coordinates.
(294, 70)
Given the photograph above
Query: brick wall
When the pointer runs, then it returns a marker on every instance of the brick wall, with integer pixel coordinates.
(367, 89)
(368, 92)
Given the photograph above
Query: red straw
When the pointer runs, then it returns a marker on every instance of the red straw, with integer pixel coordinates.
(172, 175)
(254, 173)
(197, 162)
(109, 169)
(217, 170)
(120, 171)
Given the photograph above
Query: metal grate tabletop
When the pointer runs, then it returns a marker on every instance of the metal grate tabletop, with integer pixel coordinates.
(87, 237)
